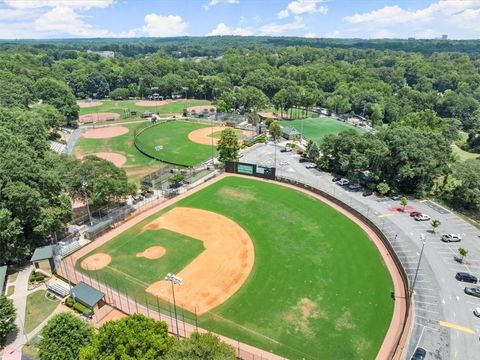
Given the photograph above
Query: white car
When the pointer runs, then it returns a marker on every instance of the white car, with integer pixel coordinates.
(422, 217)
(283, 163)
(343, 182)
(476, 312)
(310, 165)
(451, 238)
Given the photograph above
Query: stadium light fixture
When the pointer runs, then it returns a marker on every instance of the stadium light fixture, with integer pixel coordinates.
(84, 188)
(422, 239)
(174, 280)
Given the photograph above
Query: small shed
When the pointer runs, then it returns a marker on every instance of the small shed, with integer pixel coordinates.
(42, 259)
(3, 274)
(87, 296)
(290, 133)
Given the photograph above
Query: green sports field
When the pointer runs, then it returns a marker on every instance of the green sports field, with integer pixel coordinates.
(318, 289)
(316, 129)
(118, 107)
(176, 148)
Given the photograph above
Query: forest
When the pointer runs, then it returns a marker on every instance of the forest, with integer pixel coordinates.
(421, 97)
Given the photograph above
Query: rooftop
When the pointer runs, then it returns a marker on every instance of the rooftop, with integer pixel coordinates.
(42, 253)
(86, 294)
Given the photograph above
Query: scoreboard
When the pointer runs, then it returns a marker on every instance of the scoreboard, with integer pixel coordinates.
(250, 169)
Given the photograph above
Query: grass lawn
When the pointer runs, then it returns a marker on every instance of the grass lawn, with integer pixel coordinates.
(38, 309)
(137, 164)
(176, 147)
(316, 129)
(462, 154)
(118, 107)
(318, 290)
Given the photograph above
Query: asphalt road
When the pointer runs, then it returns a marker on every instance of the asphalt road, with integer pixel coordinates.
(444, 323)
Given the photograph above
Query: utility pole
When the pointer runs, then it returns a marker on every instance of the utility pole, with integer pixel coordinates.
(177, 281)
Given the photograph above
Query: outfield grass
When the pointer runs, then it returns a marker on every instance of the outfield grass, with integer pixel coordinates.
(316, 129)
(318, 290)
(176, 147)
(137, 164)
(118, 107)
(38, 309)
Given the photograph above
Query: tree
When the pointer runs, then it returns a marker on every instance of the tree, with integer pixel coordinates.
(133, 337)
(228, 146)
(7, 318)
(58, 94)
(63, 337)
(178, 177)
(463, 253)
(275, 130)
(435, 224)
(383, 188)
(102, 181)
(466, 189)
(403, 202)
(201, 347)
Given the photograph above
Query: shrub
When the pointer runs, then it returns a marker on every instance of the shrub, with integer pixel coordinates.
(69, 302)
(82, 309)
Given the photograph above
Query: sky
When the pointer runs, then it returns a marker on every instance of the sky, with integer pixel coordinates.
(459, 19)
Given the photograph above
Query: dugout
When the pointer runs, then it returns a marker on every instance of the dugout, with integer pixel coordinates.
(87, 296)
(42, 259)
(98, 229)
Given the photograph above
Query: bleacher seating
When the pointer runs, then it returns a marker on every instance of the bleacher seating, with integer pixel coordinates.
(69, 248)
(57, 147)
(58, 289)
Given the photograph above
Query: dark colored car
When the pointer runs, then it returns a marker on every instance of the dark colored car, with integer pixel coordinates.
(472, 291)
(302, 160)
(419, 354)
(336, 178)
(466, 277)
(367, 193)
(415, 213)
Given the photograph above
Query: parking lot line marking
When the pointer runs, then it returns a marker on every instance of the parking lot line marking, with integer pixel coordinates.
(427, 318)
(430, 311)
(424, 302)
(457, 327)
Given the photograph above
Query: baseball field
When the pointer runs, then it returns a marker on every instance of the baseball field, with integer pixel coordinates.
(316, 129)
(262, 263)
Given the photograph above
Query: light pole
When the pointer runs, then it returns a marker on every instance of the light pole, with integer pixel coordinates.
(186, 96)
(422, 238)
(175, 280)
(84, 188)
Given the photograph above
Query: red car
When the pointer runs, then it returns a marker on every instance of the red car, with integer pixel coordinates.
(415, 213)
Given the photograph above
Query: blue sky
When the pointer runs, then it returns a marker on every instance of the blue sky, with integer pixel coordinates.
(460, 19)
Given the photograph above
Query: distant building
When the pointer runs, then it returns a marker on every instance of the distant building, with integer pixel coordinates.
(107, 54)
(290, 133)
(444, 37)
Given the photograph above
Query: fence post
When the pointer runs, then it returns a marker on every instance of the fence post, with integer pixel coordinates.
(146, 302)
(128, 302)
(158, 309)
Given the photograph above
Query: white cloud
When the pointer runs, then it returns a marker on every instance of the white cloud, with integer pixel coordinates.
(223, 29)
(394, 15)
(233, 1)
(274, 28)
(298, 7)
(80, 4)
(158, 25)
(64, 20)
(212, 3)
(309, 35)
(427, 34)
(16, 14)
(382, 34)
(468, 19)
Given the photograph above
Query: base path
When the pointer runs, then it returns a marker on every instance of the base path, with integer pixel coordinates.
(152, 102)
(219, 271)
(87, 104)
(204, 135)
(105, 132)
(98, 116)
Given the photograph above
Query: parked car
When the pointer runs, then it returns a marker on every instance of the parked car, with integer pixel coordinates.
(367, 193)
(343, 182)
(419, 354)
(354, 187)
(285, 149)
(136, 199)
(473, 291)
(415, 213)
(302, 160)
(336, 178)
(466, 277)
(422, 217)
(451, 238)
(476, 312)
(283, 163)
(310, 165)
(396, 197)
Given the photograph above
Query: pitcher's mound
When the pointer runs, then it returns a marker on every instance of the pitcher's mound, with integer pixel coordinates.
(105, 132)
(153, 252)
(87, 104)
(116, 158)
(96, 262)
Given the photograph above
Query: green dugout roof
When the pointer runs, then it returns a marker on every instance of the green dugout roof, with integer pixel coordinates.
(86, 294)
(42, 253)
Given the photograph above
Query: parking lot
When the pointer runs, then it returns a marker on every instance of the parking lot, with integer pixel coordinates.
(444, 322)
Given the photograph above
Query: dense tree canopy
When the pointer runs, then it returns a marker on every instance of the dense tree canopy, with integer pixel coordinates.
(201, 347)
(63, 337)
(7, 318)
